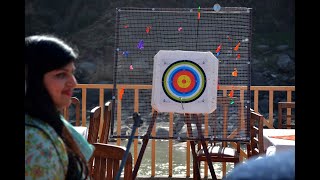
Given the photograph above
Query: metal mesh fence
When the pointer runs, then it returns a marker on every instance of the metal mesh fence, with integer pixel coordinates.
(142, 32)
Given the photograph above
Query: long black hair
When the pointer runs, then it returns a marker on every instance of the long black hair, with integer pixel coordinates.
(44, 53)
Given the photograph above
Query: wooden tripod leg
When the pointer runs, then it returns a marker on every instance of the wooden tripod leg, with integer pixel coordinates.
(193, 149)
(205, 149)
(144, 145)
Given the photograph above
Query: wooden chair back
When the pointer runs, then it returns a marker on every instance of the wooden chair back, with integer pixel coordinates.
(221, 151)
(256, 146)
(286, 118)
(106, 122)
(105, 162)
(75, 102)
(94, 123)
(224, 103)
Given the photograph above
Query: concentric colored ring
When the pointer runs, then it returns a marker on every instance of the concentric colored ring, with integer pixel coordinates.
(184, 81)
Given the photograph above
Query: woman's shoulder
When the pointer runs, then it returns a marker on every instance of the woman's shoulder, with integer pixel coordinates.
(85, 147)
(31, 122)
(45, 152)
(38, 131)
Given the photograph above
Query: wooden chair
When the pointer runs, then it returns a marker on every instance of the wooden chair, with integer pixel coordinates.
(94, 123)
(75, 102)
(106, 159)
(220, 151)
(255, 146)
(106, 123)
(286, 118)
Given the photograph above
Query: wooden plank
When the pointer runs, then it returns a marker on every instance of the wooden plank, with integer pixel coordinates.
(101, 104)
(134, 86)
(95, 86)
(84, 107)
(242, 120)
(273, 88)
(225, 123)
(243, 154)
(267, 123)
(271, 107)
(221, 87)
(289, 97)
(256, 101)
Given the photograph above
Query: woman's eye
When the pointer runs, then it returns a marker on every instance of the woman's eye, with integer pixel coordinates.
(61, 75)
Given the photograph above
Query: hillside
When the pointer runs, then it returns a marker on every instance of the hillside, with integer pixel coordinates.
(89, 26)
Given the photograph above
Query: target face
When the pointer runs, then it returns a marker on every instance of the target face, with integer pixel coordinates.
(184, 81)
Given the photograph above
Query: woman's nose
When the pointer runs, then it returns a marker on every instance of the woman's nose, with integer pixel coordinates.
(72, 81)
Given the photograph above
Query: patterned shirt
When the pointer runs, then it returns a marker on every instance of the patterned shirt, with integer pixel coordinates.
(45, 153)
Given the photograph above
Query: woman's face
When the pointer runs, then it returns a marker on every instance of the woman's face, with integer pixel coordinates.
(60, 84)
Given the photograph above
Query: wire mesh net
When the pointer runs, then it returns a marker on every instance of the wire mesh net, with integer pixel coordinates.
(142, 32)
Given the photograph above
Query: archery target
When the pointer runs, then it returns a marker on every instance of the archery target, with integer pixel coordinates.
(184, 81)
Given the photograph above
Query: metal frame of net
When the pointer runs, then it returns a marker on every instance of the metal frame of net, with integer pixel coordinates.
(142, 32)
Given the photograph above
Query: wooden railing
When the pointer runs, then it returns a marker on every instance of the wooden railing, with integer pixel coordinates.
(255, 91)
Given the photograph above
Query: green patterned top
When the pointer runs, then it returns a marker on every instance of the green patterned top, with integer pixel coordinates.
(45, 153)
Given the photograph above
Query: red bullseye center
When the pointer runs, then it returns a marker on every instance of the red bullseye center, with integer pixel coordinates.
(183, 81)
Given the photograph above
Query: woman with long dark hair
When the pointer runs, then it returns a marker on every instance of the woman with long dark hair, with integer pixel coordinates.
(53, 149)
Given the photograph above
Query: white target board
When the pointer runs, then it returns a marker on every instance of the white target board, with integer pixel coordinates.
(184, 81)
